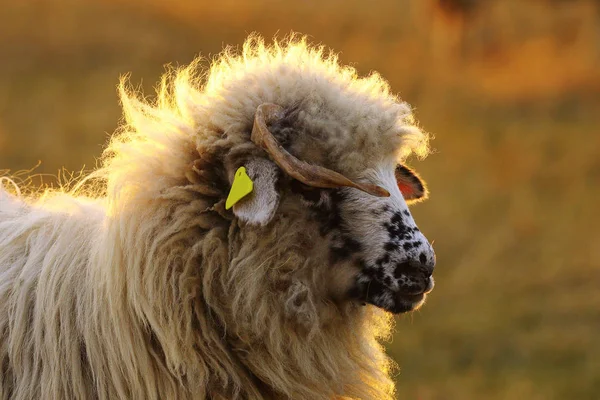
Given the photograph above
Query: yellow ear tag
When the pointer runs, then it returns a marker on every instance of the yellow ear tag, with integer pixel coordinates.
(241, 187)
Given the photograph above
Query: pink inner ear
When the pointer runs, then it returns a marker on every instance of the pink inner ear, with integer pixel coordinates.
(407, 190)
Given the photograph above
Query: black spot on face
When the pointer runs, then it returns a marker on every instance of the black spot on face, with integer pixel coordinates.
(383, 260)
(396, 218)
(373, 273)
(397, 229)
(422, 258)
(329, 213)
(346, 250)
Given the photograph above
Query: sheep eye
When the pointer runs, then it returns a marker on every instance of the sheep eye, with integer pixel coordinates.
(298, 187)
(309, 193)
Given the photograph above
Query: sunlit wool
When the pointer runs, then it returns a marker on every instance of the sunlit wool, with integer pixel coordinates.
(140, 286)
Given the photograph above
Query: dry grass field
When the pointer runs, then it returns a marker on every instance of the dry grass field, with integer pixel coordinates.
(509, 88)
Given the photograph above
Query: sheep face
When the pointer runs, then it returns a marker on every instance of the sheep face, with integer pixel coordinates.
(396, 259)
(376, 252)
(357, 247)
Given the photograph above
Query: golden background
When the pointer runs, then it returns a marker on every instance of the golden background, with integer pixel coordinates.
(509, 88)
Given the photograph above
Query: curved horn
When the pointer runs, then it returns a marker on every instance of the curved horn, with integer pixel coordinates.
(306, 173)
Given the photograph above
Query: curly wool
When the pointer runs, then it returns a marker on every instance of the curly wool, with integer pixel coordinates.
(145, 287)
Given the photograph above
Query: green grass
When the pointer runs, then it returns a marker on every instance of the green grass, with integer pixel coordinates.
(514, 180)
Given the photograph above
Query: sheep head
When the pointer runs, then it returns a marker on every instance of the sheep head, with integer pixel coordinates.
(374, 254)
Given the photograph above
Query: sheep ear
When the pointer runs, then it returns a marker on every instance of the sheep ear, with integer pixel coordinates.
(413, 188)
(260, 205)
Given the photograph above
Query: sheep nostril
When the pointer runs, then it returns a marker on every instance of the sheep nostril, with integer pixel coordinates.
(426, 269)
(426, 264)
(403, 268)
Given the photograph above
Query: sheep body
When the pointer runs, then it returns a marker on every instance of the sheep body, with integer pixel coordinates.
(136, 290)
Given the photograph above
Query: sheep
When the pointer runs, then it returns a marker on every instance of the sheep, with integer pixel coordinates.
(142, 283)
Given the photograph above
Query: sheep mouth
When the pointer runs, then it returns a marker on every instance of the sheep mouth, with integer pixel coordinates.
(394, 301)
(407, 302)
(410, 301)
(397, 303)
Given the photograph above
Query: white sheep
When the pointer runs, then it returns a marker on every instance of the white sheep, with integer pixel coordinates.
(144, 286)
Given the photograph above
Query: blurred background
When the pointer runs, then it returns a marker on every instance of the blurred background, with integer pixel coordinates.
(509, 88)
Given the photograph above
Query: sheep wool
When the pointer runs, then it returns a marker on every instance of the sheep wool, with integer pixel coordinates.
(137, 283)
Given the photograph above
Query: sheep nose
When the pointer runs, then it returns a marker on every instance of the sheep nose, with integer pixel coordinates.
(415, 267)
(425, 264)
(427, 268)
(414, 277)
